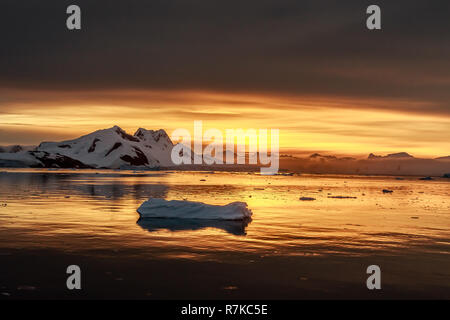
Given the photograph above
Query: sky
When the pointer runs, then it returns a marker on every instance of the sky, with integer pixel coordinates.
(308, 68)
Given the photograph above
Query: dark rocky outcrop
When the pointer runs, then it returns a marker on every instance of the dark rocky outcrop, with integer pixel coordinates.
(93, 145)
(139, 160)
(126, 136)
(57, 161)
(114, 147)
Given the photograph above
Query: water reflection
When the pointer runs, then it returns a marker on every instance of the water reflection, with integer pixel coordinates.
(117, 191)
(107, 186)
(46, 217)
(233, 227)
(88, 209)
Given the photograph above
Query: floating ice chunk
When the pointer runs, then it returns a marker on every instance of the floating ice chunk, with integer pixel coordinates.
(307, 199)
(341, 197)
(182, 209)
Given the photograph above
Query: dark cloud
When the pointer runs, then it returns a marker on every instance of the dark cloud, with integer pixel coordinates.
(300, 48)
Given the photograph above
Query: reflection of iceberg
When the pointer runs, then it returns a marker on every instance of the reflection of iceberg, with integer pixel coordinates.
(161, 208)
(233, 227)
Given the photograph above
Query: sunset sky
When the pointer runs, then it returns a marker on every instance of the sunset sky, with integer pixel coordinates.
(308, 68)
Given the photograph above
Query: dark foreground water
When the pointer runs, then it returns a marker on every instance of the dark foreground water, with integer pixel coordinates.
(294, 249)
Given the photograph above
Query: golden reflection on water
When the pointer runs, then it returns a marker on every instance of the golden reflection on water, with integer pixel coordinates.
(95, 211)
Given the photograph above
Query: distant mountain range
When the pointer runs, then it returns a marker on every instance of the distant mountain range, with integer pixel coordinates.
(401, 163)
(113, 148)
(400, 155)
(392, 156)
(329, 157)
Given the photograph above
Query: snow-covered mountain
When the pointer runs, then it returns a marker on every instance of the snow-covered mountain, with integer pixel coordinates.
(114, 148)
(109, 148)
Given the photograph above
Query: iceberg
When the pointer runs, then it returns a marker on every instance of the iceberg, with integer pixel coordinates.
(183, 209)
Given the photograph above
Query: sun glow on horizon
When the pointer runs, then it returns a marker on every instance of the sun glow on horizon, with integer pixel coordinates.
(341, 126)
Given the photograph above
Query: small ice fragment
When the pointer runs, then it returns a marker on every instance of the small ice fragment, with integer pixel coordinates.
(342, 197)
(307, 199)
(26, 288)
(230, 288)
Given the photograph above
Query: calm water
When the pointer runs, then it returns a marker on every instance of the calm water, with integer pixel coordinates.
(94, 213)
